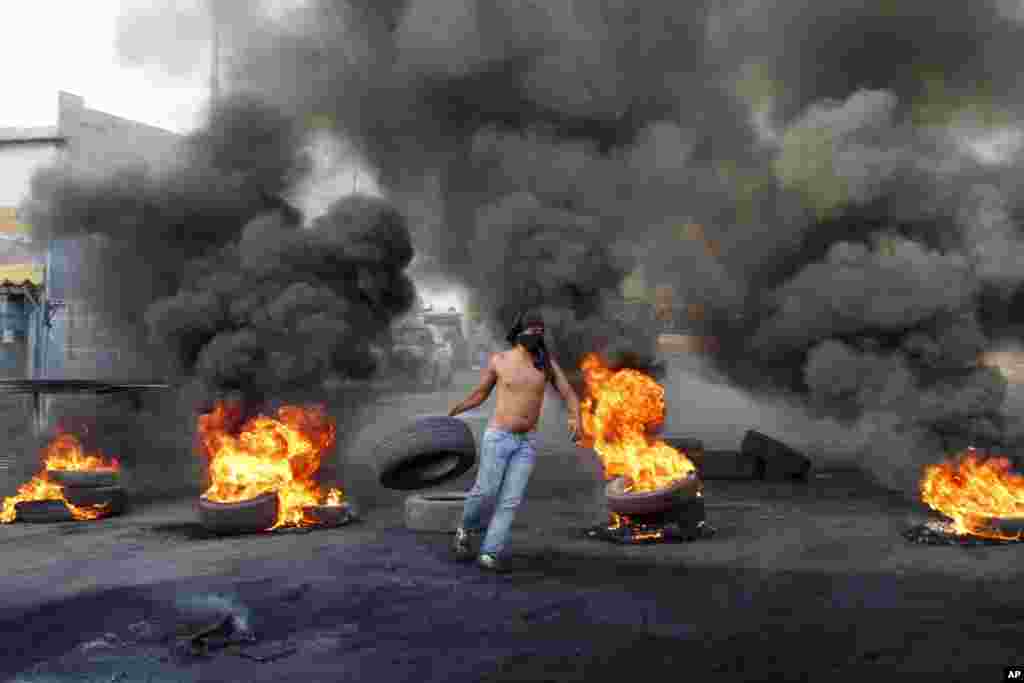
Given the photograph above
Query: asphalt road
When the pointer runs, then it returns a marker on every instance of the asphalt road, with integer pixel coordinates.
(800, 582)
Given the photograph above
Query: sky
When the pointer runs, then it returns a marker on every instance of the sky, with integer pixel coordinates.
(71, 46)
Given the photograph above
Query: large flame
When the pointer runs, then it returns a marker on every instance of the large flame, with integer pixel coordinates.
(971, 490)
(65, 452)
(267, 454)
(620, 410)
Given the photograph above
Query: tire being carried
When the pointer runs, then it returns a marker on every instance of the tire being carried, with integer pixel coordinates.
(435, 512)
(425, 453)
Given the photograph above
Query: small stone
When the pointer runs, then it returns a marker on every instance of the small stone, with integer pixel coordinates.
(145, 631)
(107, 641)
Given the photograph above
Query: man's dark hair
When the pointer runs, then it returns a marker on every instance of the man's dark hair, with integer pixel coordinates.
(533, 318)
(523, 320)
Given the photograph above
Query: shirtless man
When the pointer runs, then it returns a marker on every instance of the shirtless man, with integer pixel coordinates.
(507, 451)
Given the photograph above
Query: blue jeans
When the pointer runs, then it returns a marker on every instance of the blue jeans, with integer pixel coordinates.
(506, 460)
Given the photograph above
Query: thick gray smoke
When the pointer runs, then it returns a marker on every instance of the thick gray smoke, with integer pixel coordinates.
(285, 309)
(147, 223)
(223, 288)
(830, 184)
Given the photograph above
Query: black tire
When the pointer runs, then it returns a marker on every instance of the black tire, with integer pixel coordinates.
(652, 502)
(427, 452)
(436, 512)
(1008, 526)
(246, 517)
(112, 496)
(84, 478)
(778, 461)
(43, 512)
(328, 515)
(728, 465)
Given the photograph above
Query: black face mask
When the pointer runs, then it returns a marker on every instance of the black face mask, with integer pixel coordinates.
(534, 343)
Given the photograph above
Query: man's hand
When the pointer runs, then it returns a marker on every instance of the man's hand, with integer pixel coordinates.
(574, 429)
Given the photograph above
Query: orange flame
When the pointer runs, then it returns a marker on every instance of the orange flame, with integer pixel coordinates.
(620, 410)
(65, 452)
(971, 490)
(268, 454)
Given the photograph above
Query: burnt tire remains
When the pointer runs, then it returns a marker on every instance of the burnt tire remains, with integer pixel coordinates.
(114, 497)
(329, 515)
(84, 478)
(681, 491)
(1008, 526)
(438, 512)
(778, 462)
(245, 517)
(425, 453)
(43, 512)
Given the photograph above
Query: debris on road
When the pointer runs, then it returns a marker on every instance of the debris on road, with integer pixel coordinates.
(942, 532)
(104, 642)
(146, 632)
(268, 652)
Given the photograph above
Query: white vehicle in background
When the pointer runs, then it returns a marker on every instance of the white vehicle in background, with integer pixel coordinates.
(421, 355)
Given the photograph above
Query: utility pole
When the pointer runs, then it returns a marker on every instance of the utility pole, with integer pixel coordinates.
(214, 58)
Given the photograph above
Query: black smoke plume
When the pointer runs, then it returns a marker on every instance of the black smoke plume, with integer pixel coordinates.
(831, 185)
(285, 309)
(208, 269)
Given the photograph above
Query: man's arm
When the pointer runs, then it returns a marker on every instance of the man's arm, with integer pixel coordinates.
(488, 378)
(572, 401)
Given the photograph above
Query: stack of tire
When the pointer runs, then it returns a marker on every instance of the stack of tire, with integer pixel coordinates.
(425, 453)
(82, 488)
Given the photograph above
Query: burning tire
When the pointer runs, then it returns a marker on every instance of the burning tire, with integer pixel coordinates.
(43, 512)
(112, 496)
(439, 512)
(84, 478)
(651, 502)
(246, 517)
(428, 452)
(1006, 526)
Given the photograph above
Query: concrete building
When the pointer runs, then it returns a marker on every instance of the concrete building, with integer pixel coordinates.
(62, 337)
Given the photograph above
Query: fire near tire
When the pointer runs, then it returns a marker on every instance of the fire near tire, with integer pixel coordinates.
(651, 502)
(438, 512)
(84, 478)
(43, 511)
(114, 496)
(246, 517)
(425, 453)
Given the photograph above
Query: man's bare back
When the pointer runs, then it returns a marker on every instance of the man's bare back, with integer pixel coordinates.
(520, 388)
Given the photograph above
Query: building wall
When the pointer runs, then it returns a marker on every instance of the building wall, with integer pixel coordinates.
(78, 344)
(99, 142)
